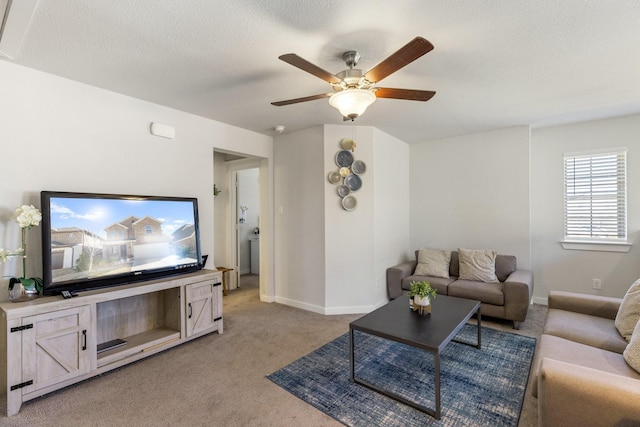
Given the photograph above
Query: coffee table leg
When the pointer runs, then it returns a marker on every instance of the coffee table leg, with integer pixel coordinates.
(351, 355)
(436, 359)
(479, 327)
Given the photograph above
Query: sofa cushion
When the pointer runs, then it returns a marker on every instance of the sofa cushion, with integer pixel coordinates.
(505, 265)
(629, 311)
(432, 262)
(594, 331)
(632, 352)
(440, 284)
(477, 265)
(579, 354)
(486, 292)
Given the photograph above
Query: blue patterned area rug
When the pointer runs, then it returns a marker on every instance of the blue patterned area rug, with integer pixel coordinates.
(479, 387)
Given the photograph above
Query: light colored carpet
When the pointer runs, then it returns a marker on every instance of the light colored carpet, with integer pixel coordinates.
(218, 380)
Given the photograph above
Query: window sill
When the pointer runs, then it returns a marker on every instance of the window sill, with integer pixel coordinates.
(582, 245)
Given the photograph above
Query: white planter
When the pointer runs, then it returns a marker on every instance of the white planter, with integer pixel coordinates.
(421, 301)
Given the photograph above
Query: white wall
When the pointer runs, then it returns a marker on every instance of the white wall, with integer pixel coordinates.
(57, 134)
(472, 192)
(391, 207)
(330, 260)
(221, 210)
(349, 237)
(299, 219)
(571, 270)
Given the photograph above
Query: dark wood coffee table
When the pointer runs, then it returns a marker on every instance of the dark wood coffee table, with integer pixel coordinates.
(431, 332)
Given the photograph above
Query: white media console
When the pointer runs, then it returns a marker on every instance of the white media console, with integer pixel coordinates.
(50, 343)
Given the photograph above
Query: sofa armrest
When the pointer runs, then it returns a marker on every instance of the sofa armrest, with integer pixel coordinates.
(570, 394)
(518, 289)
(395, 275)
(593, 305)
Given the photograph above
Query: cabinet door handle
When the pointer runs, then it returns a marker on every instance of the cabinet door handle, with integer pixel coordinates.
(84, 340)
(190, 310)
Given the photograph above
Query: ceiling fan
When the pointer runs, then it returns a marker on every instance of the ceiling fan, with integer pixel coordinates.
(353, 89)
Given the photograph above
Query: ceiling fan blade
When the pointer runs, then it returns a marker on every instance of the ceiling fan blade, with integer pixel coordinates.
(408, 94)
(297, 100)
(304, 65)
(404, 56)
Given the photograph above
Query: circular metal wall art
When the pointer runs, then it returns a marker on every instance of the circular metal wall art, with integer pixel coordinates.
(353, 182)
(349, 203)
(334, 177)
(344, 158)
(343, 191)
(358, 167)
(348, 144)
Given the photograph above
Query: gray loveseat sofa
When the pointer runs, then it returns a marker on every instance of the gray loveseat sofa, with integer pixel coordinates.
(509, 298)
(580, 375)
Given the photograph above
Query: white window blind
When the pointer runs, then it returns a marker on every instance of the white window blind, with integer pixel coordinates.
(595, 205)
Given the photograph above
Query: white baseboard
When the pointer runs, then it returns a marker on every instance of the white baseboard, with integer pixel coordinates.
(329, 310)
(541, 301)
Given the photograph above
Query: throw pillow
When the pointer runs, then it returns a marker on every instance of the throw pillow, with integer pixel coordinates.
(632, 352)
(477, 265)
(629, 311)
(433, 263)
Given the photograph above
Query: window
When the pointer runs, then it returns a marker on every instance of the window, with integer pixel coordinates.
(148, 229)
(595, 191)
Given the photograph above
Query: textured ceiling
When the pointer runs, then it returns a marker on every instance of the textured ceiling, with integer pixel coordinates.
(496, 63)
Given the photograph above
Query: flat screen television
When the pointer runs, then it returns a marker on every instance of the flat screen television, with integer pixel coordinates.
(92, 241)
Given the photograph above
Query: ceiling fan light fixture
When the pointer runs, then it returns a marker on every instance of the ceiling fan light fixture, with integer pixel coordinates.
(352, 102)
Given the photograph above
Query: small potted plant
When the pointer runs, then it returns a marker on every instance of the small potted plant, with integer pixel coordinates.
(422, 294)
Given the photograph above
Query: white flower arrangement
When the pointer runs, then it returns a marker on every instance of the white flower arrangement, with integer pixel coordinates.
(27, 216)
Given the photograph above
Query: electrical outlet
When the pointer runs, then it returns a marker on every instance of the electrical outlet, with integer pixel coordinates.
(597, 284)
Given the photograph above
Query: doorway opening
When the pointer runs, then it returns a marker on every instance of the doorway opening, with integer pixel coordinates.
(237, 222)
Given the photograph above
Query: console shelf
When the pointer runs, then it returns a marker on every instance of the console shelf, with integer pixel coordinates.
(145, 341)
(51, 342)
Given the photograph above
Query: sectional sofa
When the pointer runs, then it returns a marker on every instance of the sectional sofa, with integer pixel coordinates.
(581, 375)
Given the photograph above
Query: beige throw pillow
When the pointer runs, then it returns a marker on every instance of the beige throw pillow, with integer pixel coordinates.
(433, 263)
(629, 311)
(632, 352)
(477, 265)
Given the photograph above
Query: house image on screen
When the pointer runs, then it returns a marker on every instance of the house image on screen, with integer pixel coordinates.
(136, 240)
(184, 241)
(69, 243)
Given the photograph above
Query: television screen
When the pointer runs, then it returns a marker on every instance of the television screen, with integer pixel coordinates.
(97, 240)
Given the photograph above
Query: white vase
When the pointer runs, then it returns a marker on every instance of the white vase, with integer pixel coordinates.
(421, 301)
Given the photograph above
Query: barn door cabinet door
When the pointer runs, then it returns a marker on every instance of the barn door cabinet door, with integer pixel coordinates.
(202, 307)
(56, 348)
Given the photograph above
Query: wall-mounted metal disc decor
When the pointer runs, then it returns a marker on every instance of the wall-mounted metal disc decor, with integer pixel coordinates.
(344, 159)
(348, 144)
(348, 176)
(334, 177)
(349, 203)
(358, 167)
(343, 191)
(353, 182)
